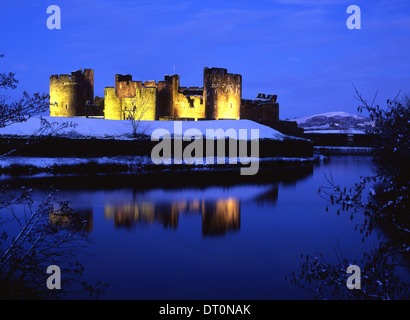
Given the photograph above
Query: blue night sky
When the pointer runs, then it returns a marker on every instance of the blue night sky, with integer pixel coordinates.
(300, 50)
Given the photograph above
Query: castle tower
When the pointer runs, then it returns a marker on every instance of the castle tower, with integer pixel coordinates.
(125, 87)
(70, 94)
(222, 94)
(173, 88)
(130, 99)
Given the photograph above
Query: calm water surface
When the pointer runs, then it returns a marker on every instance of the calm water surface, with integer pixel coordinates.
(217, 241)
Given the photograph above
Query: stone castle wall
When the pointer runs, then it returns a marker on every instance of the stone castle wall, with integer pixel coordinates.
(164, 98)
(142, 106)
(144, 100)
(112, 105)
(219, 98)
(69, 94)
(263, 108)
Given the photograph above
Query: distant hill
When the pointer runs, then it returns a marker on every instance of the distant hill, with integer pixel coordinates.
(334, 120)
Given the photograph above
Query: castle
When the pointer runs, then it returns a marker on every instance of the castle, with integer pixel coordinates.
(219, 98)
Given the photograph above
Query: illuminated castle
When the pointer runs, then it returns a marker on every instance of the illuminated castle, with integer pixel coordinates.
(70, 94)
(219, 98)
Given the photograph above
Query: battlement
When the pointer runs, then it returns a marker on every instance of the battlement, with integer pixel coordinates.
(233, 77)
(221, 73)
(267, 97)
(60, 76)
(263, 108)
(85, 75)
(192, 91)
(150, 83)
(126, 80)
(65, 79)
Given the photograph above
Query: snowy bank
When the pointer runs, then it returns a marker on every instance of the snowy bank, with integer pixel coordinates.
(122, 129)
(99, 145)
(47, 166)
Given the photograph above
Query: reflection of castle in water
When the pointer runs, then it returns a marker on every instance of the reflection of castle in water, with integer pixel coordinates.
(218, 216)
(59, 218)
(221, 216)
(219, 209)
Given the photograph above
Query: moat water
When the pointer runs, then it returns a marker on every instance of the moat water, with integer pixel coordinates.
(217, 241)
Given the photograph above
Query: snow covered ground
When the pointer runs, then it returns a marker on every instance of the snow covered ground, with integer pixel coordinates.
(335, 122)
(335, 114)
(122, 129)
(47, 163)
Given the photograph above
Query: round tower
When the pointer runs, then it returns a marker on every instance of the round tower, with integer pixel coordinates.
(222, 94)
(69, 93)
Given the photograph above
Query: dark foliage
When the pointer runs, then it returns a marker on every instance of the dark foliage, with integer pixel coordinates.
(24, 108)
(35, 235)
(384, 201)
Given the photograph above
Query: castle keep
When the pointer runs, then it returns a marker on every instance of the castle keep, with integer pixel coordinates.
(219, 98)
